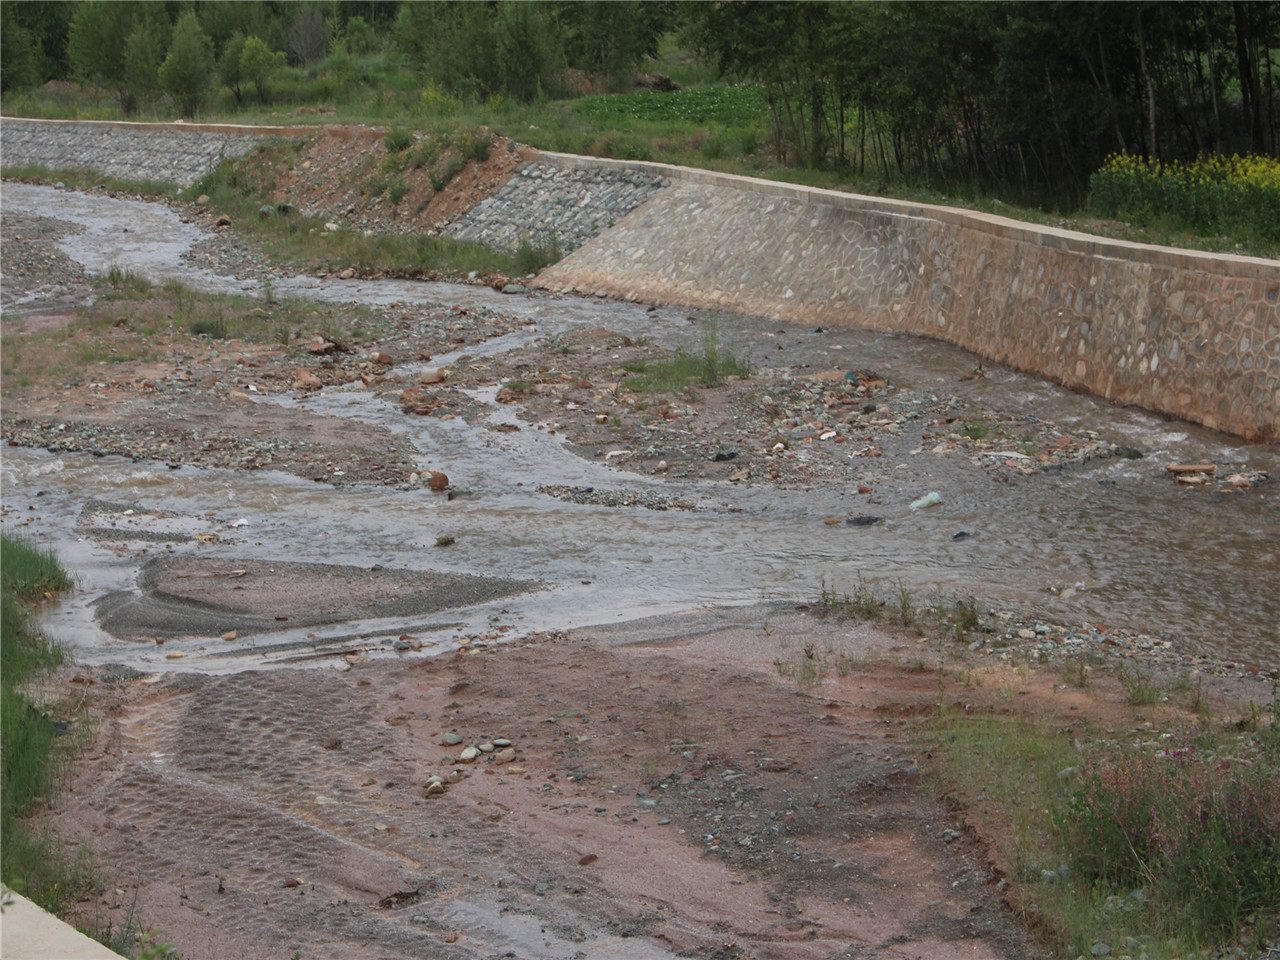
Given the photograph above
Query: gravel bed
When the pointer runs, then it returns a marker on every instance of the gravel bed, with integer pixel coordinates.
(32, 261)
(1012, 636)
(616, 498)
(226, 254)
(178, 448)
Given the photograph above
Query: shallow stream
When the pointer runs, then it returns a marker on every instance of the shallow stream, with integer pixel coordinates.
(1111, 541)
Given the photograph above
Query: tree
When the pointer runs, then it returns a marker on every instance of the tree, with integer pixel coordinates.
(19, 60)
(258, 63)
(230, 73)
(186, 72)
(307, 35)
(98, 46)
(529, 53)
(141, 58)
(612, 38)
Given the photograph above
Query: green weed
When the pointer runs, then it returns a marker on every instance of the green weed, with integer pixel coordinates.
(397, 140)
(397, 189)
(1140, 687)
(708, 368)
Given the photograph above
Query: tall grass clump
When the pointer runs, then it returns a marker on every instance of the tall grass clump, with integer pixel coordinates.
(1202, 835)
(709, 368)
(31, 860)
(1220, 195)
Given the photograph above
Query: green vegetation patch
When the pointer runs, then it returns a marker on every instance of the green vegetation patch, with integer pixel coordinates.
(1162, 848)
(31, 859)
(742, 104)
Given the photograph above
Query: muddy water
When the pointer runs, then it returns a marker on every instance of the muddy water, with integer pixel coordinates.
(1113, 541)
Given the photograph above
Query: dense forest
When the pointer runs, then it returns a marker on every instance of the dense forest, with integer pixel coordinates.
(1013, 96)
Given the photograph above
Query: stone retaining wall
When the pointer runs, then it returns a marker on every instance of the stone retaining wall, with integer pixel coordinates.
(548, 201)
(178, 153)
(1191, 335)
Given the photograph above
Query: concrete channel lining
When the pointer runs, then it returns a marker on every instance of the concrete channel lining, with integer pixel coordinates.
(28, 932)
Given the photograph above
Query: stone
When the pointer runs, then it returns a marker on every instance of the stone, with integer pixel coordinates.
(501, 742)
(322, 348)
(418, 402)
(222, 221)
(505, 755)
(434, 788)
(515, 288)
(304, 379)
(451, 739)
(469, 754)
(347, 274)
(486, 747)
(202, 200)
(265, 211)
(433, 375)
(439, 481)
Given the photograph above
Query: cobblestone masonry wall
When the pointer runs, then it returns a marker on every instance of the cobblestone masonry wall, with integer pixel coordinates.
(166, 152)
(1195, 336)
(545, 201)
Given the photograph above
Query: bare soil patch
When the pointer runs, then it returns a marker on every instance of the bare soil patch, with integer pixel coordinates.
(663, 798)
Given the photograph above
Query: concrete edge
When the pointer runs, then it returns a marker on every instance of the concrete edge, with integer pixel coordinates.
(28, 932)
(179, 126)
(1085, 244)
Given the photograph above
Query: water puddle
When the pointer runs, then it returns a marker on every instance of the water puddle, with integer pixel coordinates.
(1111, 541)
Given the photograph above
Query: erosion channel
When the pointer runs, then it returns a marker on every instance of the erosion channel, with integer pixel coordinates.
(608, 585)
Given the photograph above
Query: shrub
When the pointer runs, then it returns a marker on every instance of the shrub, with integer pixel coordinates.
(451, 167)
(474, 145)
(397, 140)
(397, 190)
(1204, 836)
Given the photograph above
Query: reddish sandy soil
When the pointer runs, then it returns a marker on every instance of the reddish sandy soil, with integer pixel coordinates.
(669, 788)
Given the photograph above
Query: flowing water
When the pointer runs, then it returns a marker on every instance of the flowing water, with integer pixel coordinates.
(1111, 541)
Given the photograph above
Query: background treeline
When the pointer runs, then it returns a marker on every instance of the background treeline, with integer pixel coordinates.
(1035, 94)
(1023, 100)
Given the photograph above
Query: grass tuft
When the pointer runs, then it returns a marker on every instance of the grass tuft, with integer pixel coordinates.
(709, 368)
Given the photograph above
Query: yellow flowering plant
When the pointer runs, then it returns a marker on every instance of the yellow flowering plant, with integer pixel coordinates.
(1214, 194)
